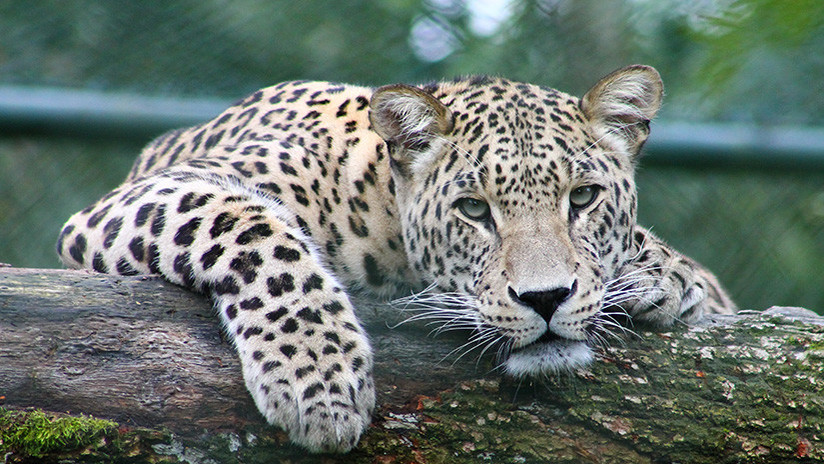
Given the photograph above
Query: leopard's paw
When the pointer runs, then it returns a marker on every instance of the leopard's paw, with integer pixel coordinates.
(321, 395)
(662, 296)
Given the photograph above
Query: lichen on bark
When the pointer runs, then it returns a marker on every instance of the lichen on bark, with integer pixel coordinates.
(742, 391)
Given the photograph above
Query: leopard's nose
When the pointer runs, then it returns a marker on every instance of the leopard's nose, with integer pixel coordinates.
(544, 302)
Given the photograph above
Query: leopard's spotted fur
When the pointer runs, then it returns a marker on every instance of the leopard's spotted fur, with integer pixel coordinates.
(517, 198)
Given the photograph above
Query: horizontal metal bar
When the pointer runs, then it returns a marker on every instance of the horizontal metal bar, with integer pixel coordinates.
(736, 145)
(689, 145)
(82, 112)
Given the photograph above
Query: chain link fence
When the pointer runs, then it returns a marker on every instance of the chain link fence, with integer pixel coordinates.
(759, 225)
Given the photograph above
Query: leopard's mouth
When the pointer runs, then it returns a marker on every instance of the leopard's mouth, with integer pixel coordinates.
(549, 354)
(548, 337)
(552, 353)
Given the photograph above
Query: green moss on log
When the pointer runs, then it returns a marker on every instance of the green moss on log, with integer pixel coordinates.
(33, 435)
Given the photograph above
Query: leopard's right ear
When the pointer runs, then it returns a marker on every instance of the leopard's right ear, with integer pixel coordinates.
(411, 121)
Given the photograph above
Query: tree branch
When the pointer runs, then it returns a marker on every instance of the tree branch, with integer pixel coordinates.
(146, 353)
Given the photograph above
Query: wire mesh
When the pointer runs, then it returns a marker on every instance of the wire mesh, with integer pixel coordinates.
(761, 231)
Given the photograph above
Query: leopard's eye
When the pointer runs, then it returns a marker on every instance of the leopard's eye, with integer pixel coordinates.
(583, 196)
(473, 208)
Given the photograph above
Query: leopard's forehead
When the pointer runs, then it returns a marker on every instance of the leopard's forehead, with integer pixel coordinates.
(522, 142)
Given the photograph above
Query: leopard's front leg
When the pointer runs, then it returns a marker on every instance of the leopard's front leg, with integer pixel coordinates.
(306, 360)
(661, 286)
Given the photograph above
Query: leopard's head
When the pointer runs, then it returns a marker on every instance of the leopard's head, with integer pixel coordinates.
(518, 205)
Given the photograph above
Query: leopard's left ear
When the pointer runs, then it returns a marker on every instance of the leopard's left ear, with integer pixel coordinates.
(621, 105)
(410, 119)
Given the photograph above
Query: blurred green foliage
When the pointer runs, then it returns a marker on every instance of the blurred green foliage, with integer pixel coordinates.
(764, 59)
(756, 61)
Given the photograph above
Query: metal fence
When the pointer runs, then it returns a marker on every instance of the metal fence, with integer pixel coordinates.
(84, 84)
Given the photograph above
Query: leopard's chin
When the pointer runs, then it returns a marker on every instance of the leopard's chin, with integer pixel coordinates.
(550, 357)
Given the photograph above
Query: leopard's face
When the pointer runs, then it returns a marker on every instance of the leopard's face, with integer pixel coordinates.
(521, 210)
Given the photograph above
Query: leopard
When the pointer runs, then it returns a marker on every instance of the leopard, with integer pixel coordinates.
(504, 208)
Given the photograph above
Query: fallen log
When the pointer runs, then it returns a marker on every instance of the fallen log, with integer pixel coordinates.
(148, 354)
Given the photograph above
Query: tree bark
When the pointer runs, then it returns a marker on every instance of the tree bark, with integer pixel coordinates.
(146, 353)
